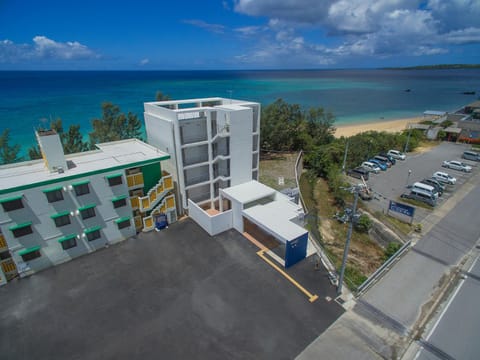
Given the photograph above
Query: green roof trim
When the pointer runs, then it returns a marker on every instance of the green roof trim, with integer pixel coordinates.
(122, 219)
(28, 250)
(11, 199)
(121, 197)
(92, 229)
(83, 182)
(86, 207)
(60, 214)
(67, 237)
(19, 226)
(56, 188)
(85, 174)
(113, 176)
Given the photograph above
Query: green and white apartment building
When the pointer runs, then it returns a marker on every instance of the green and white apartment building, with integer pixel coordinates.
(62, 207)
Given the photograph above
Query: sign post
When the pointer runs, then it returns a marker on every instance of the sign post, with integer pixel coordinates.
(402, 209)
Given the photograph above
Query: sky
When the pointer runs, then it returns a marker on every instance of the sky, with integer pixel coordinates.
(236, 34)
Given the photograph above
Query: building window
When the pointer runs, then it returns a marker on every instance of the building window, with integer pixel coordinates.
(68, 241)
(61, 219)
(21, 229)
(5, 255)
(81, 188)
(54, 195)
(123, 222)
(87, 212)
(114, 180)
(13, 203)
(30, 253)
(119, 201)
(93, 233)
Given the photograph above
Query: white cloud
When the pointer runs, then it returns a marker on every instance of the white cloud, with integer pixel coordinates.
(215, 28)
(44, 48)
(366, 28)
(144, 61)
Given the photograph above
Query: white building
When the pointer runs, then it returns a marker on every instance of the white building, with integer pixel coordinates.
(56, 209)
(213, 144)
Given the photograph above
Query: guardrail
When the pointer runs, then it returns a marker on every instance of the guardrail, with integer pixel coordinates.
(385, 266)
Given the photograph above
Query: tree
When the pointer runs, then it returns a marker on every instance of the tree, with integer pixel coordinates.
(114, 125)
(363, 224)
(34, 152)
(8, 153)
(160, 96)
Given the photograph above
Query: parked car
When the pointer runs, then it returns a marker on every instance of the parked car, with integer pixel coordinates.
(389, 157)
(359, 173)
(422, 188)
(471, 155)
(425, 198)
(444, 178)
(397, 154)
(457, 165)
(383, 159)
(371, 167)
(436, 184)
(380, 164)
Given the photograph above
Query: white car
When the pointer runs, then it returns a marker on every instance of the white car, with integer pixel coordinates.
(444, 178)
(367, 165)
(457, 165)
(396, 154)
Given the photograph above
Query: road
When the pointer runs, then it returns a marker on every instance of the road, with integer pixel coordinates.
(455, 333)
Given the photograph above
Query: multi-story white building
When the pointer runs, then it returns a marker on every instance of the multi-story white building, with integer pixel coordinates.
(61, 207)
(213, 144)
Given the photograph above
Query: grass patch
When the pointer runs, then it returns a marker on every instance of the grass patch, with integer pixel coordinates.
(415, 203)
(396, 224)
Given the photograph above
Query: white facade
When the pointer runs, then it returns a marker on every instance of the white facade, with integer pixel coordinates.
(47, 218)
(213, 144)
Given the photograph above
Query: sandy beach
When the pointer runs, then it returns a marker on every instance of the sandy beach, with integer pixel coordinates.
(387, 125)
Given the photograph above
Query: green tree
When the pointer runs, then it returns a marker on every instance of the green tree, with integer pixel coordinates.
(391, 249)
(160, 96)
(34, 152)
(363, 224)
(8, 153)
(72, 140)
(114, 125)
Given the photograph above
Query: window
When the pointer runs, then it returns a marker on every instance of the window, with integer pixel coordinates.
(93, 233)
(5, 255)
(87, 211)
(61, 219)
(30, 253)
(123, 222)
(119, 201)
(21, 229)
(12, 203)
(54, 195)
(81, 188)
(114, 180)
(68, 241)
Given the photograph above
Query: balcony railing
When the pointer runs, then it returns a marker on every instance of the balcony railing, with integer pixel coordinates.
(167, 204)
(154, 195)
(135, 180)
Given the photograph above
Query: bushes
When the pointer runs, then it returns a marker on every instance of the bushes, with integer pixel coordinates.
(391, 249)
(363, 224)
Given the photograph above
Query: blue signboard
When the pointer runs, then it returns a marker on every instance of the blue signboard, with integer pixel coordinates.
(401, 208)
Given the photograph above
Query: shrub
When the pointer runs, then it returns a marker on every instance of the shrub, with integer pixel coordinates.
(391, 249)
(363, 224)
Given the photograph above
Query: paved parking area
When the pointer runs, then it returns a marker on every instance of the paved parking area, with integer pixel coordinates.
(176, 294)
(390, 184)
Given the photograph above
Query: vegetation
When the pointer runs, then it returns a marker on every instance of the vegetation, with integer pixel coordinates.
(160, 96)
(363, 224)
(8, 153)
(391, 249)
(114, 125)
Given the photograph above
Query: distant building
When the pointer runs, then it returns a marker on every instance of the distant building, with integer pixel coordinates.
(61, 207)
(213, 144)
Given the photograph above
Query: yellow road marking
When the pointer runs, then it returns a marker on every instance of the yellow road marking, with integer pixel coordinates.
(311, 297)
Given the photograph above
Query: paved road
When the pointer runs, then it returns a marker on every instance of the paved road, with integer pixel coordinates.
(403, 290)
(177, 294)
(455, 335)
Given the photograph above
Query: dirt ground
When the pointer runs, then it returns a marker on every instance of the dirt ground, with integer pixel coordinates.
(274, 166)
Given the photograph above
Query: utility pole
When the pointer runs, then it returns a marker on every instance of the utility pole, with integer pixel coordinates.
(345, 156)
(347, 242)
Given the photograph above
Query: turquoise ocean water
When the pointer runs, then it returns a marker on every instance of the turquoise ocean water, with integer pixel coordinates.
(30, 99)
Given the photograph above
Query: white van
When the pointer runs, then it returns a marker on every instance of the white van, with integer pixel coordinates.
(367, 165)
(421, 188)
(471, 155)
(396, 154)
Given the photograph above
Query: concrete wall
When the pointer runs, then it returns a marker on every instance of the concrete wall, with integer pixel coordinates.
(45, 233)
(241, 143)
(212, 224)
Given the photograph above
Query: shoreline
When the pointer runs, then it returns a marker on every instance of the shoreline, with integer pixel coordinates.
(395, 125)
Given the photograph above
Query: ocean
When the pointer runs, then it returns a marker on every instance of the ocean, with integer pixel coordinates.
(29, 99)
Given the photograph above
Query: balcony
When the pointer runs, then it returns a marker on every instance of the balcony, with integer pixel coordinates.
(193, 130)
(196, 175)
(167, 205)
(195, 155)
(155, 194)
(135, 180)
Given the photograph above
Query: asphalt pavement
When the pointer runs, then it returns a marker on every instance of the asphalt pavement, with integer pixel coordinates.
(176, 294)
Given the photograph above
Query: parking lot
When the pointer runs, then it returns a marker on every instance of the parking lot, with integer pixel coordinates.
(176, 294)
(390, 184)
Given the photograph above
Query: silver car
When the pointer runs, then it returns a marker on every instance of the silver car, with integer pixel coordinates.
(444, 178)
(457, 165)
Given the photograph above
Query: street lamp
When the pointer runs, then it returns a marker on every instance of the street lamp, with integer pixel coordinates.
(408, 177)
